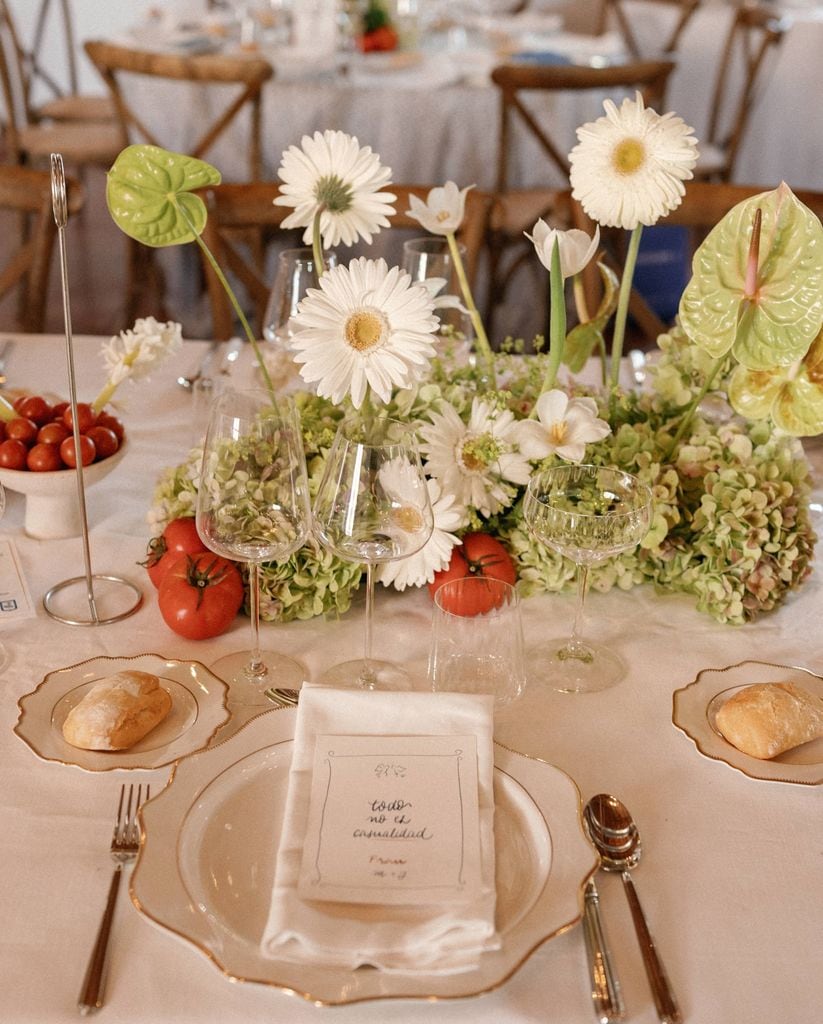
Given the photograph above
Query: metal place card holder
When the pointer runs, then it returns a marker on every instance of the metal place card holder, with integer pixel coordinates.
(91, 616)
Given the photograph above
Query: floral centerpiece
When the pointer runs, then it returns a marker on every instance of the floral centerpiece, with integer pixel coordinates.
(731, 523)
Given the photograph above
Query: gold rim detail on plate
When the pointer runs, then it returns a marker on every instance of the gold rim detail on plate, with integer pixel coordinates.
(201, 711)
(530, 788)
(693, 708)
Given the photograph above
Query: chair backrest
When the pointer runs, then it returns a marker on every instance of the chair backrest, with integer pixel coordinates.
(756, 30)
(13, 81)
(516, 82)
(36, 69)
(24, 190)
(622, 14)
(246, 73)
(235, 208)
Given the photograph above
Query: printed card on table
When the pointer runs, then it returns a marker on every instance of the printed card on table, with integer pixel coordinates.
(15, 600)
(393, 819)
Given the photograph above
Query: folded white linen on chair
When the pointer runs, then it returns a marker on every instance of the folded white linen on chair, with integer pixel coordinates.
(432, 938)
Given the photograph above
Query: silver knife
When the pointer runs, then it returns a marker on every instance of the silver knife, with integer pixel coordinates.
(606, 996)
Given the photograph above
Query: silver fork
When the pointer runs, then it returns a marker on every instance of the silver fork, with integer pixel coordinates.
(125, 842)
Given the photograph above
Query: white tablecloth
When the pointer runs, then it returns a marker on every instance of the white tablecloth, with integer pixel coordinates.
(731, 870)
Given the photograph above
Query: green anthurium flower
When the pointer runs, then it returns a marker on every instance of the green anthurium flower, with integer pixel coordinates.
(149, 192)
(770, 320)
(584, 337)
(791, 397)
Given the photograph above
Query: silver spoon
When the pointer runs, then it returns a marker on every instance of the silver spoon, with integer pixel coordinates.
(615, 835)
(188, 382)
(283, 696)
(605, 988)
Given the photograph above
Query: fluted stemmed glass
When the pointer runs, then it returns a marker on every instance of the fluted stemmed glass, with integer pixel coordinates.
(253, 506)
(372, 506)
(587, 514)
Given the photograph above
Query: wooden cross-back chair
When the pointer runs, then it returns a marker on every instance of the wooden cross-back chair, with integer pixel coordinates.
(26, 192)
(234, 207)
(623, 13)
(704, 205)
(67, 103)
(247, 74)
(521, 88)
(755, 34)
(28, 140)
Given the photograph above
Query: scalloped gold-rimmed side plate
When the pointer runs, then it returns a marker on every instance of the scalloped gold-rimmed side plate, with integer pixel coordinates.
(695, 707)
(199, 709)
(209, 844)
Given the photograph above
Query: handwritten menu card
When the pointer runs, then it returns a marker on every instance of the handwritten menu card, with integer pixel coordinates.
(15, 600)
(393, 819)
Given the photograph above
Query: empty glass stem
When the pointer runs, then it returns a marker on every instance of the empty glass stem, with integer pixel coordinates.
(256, 668)
(368, 678)
(575, 647)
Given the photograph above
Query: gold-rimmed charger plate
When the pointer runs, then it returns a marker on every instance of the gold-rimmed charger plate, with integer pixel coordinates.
(199, 709)
(210, 840)
(695, 707)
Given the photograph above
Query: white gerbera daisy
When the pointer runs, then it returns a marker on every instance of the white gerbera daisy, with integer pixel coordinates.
(332, 175)
(564, 427)
(442, 212)
(419, 568)
(628, 167)
(366, 326)
(477, 462)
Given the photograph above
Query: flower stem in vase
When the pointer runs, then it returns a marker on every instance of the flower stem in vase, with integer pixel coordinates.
(623, 304)
(481, 339)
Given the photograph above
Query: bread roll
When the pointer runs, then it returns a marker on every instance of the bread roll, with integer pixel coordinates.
(117, 712)
(767, 719)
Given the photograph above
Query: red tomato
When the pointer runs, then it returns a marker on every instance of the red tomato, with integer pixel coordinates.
(87, 451)
(36, 408)
(13, 454)
(179, 537)
(2, 430)
(22, 429)
(105, 441)
(58, 410)
(85, 417)
(105, 419)
(52, 433)
(479, 555)
(200, 595)
(44, 458)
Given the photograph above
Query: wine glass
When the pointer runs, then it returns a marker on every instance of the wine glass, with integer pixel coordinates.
(587, 514)
(253, 506)
(431, 257)
(294, 275)
(372, 506)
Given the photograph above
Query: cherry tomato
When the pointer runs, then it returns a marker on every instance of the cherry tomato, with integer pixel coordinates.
(2, 430)
(105, 441)
(105, 419)
(52, 433)
(36, 408)
(22, 429)
(200, 595)
(179, 537)
(44, 458)
(13, 454)
(480, 554)
(58, 410)
(87, 451)
(85, 417)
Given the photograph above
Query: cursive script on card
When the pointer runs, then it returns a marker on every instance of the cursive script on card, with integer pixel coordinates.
(393, 819)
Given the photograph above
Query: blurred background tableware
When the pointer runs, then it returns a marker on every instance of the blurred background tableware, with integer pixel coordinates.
(4, 654)
(372, 506)
(294, 275)
(477, 638)
(587, 514)
(429, 258)
(253, 506)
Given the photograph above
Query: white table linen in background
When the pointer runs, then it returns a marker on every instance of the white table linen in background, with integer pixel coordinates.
(731, 870)
(426, 938)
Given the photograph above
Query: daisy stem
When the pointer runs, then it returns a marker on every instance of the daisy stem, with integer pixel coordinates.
(689, 413)
(623, 304)
(221, 277)
(557, 325)
(317, 246)
(481, 340)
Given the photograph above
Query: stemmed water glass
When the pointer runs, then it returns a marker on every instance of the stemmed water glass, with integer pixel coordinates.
(372, 506)
(587, 514)
(253, 506)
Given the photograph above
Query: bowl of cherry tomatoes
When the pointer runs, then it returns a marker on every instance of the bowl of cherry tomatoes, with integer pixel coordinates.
(38, 458)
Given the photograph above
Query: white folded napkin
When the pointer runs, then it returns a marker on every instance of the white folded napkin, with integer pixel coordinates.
(404, 938)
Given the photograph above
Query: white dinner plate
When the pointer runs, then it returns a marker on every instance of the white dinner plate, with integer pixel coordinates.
(210, 840)
(696, 707)
(198, 710)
